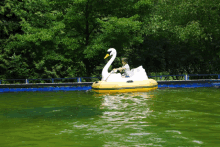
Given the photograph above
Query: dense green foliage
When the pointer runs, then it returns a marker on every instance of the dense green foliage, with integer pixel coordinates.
(68, 38)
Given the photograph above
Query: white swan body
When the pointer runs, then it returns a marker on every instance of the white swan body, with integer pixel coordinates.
(137, 74)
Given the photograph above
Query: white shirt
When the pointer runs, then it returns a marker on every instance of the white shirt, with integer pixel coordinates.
(127, 69)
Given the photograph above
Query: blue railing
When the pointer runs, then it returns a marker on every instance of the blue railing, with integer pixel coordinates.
(79, 79)
(186, 77)
(52, 80)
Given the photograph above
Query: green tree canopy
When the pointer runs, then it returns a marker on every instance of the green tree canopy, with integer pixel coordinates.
(68, 38)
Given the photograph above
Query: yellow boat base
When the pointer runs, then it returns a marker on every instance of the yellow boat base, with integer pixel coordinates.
(123, 87)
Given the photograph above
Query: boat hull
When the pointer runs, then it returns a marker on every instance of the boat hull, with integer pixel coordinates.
(123, 87)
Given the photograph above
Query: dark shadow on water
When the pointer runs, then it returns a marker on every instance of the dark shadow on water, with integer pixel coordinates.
(66, 112)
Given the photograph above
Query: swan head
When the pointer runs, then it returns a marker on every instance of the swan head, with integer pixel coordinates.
(111, 52)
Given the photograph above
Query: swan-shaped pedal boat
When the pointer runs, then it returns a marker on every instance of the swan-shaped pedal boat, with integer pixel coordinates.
(114, 82)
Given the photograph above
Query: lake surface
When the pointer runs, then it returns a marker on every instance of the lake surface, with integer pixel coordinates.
(170, 117)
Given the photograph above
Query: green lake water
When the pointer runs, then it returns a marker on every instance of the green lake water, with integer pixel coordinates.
(170, 117)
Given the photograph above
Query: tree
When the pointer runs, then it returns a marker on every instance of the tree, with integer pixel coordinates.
(66, 38)
(182, 36)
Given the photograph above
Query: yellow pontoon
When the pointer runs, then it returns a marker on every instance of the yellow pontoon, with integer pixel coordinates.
(121, 87)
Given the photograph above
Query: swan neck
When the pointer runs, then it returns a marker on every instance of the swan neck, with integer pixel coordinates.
(105, 69)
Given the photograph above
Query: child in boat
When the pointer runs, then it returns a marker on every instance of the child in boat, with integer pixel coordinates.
(125, 67)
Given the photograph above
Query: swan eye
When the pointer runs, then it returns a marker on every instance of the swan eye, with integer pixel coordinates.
(109, 52)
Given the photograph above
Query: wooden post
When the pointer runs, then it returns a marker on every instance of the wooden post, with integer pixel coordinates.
(186, 77)
(27, 81)
(78, 79)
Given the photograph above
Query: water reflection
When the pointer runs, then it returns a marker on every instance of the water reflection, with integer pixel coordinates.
(129, 119)
(130, 106)
(127, 116)
(124, 120)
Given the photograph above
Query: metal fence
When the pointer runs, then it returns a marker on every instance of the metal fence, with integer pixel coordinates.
(50, 80)
(93, 79)
(185, 77)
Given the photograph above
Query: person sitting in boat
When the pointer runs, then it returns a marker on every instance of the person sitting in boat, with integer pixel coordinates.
(125, 67)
